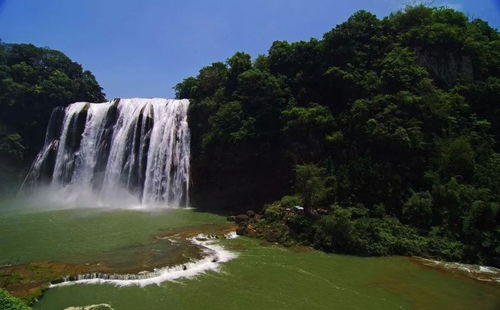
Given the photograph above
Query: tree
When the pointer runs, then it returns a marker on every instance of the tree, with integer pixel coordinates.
(311, 183)
(306, 130)
(393, 119)
(418, 210)
(33, 81)
(400, 72)
(238, 63)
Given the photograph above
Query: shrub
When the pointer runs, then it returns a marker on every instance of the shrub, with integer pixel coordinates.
(333, 232)
(8, 302)
(386, 236)
(273, 212)
(276, 211)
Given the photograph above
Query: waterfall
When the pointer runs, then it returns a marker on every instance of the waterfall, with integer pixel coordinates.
(135, 149)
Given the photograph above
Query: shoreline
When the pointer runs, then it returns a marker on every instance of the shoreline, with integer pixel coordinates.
(29, 281)
(216, 255)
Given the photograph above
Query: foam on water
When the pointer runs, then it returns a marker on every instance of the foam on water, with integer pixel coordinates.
(478, 272)
(91, 307)
(215, 256)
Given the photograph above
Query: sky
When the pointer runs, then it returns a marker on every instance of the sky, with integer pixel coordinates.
(142, 48)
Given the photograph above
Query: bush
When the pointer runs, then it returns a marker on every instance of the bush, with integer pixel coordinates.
(387, 236)
(276, 211)
(333, 232)
(290, 201)
(273, 212)
(8, 302)
(443, 248)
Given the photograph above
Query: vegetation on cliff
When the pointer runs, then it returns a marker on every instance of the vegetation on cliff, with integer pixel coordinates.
(33, 81)
(11, 303)
(385, 130)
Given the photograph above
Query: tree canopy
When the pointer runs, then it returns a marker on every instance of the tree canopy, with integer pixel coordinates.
(33, 81)
(399, 118)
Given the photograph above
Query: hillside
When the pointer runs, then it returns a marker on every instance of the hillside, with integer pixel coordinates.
(33, 81)
(389, 127)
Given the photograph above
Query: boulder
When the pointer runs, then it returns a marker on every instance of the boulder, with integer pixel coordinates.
(242, 230)
(242, 218)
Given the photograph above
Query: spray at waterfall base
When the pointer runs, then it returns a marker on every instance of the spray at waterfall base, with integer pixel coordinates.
(125, 152)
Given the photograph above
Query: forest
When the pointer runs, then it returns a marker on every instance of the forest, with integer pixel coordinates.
(379, 138)
(33, 81)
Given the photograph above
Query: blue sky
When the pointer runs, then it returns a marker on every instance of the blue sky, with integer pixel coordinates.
(142, 48)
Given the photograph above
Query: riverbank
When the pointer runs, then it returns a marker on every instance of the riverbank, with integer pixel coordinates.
(196, 253)
(42, 247)
(347, 231)
(263, 274)
(267, 276)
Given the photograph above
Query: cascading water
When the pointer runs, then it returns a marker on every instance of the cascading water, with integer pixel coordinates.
(126, 149)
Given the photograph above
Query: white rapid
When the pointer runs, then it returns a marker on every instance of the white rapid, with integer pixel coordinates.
(134, 150)
(215, 255)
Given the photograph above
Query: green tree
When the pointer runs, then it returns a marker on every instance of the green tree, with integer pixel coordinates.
(9, 302)
(418, 210)
(311, 183)
(33, 81)
(399, 116)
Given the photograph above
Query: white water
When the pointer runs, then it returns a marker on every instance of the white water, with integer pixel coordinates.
(478, 272)
(215, 256)
(125, 152)
(91, 307)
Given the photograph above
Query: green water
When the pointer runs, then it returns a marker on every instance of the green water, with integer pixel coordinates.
(262, 277)
(79, 235)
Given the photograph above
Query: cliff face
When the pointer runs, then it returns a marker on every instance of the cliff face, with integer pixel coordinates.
(445, 67)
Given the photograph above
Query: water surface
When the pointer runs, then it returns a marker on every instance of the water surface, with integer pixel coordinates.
(263, 276)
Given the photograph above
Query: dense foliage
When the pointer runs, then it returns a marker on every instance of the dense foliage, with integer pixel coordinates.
(389, 126)
(9, 302)
(33, 81)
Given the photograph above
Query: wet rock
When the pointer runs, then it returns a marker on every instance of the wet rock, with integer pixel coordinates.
(242, 230)
(242, 218)
(322, 211)
(57, 281)
(231, 218)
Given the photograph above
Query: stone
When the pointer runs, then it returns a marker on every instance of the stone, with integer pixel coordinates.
(242, 230)
(242, 218)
